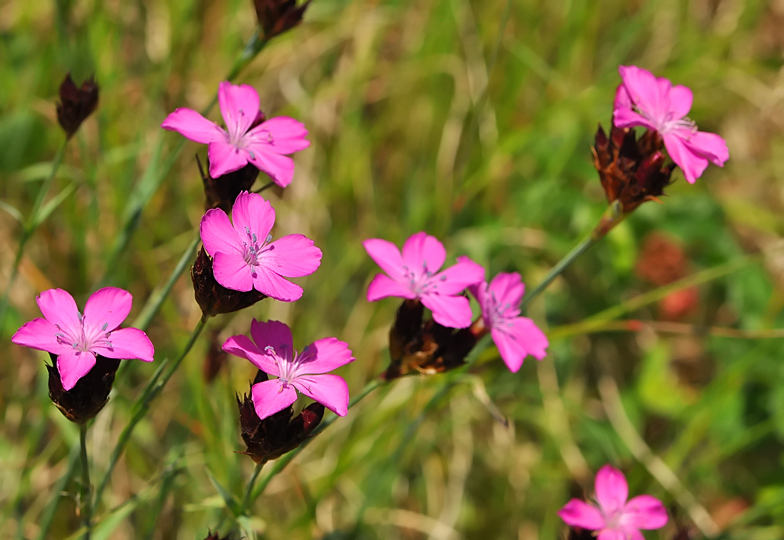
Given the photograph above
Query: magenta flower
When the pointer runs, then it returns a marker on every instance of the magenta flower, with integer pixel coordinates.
(615, 518)
(516, 337)
(244, 140)
(273, 353)
(244, 256)
(413, 275)
(76, 339)
(654, 103)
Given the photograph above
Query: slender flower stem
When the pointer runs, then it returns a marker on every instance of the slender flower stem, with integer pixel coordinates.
(281, 462)
(30, 226)
(86, 507)
(142, 404)
(251, 482)
(612, 217)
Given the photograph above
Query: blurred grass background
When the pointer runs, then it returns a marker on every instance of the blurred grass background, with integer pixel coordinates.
(450, 116)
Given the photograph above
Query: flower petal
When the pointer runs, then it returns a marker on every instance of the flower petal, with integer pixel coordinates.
(270, 397)
(126, 343)
(450, 311)
(59, 308)
(279, 168)
(73, 365)
(644, 512)
(323, 356)
(193, 126)
(329, 390)
(508, 290)
(239, 105)
(291, 256)
(518, 341)
(455, 279)
(383, 286)
(273, 334)
(225, 158)
(577, 513)
(690, 163)
(710, 146)
(217, 234)
(243, 347)
(612, 534)
(107, 307)
(252, 215)
(644, 90)
(387, 256)
(611, 489)
(231, 271)
(40, 334)
(423, 252)
(268, 282)
(681, 99)
(281, 135)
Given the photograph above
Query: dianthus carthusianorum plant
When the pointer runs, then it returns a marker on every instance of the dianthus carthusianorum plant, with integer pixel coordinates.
(406, 302)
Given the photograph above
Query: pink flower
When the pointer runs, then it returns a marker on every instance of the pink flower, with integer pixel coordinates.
(76, 339)
(413, 275)
(273, 353)
(244, 256)
(243, 140)
(615, 518)
(516, 337)
(654, 103)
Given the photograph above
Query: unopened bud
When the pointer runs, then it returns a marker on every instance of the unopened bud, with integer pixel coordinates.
(278, 16)
(212, 297)
(76, 104)
(89, 394)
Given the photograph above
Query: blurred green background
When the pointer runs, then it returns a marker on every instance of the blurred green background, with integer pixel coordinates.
(471, 120)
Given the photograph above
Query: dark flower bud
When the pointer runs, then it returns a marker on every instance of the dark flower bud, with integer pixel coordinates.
(212, 297)
(631, 170)
(76, 104)
(576, 533)
(427, 347)
(272, 437)
(216, 536)
(89, 395)
(278, 16)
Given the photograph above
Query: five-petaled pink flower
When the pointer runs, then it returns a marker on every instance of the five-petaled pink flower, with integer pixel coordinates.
(76, 339)
(516, 337)
(244, 140)
(273, 353)
(245, 257)
(615, 518)
(654, 103)
(413, 275)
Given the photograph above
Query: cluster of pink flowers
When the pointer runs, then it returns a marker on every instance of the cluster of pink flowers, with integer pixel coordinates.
(414, 274)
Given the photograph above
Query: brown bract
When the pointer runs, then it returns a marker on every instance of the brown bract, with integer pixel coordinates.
(216, 536)
(277, 434)
(76, 104)
(212, 297)
(425, 346)
(278, 16)
(89, 395)
(631, 170)
(221, 192)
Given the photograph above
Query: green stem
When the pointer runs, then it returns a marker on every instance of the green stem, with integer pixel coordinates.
(612, 217)
(86, 497)
(30, 226)
(281, 462)
(142, 404)
(251, 482)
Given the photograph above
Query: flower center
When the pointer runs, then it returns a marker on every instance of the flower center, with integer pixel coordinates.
(421, 283)
(252, 248)
(81, 340)
(236, 131)
(287, 368)
(495, 313)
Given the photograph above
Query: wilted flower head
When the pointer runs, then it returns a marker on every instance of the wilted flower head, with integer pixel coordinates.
(654, 103)
(278, 433)
(76, 103)
(77, 339)
(631, 170)
(413, 275)
(212, 297)
(278, 16)
(244, 256)
(613, 517)
(516, 337)
(90, 393)
(243, 141)
(272, 351)
(221, 192)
